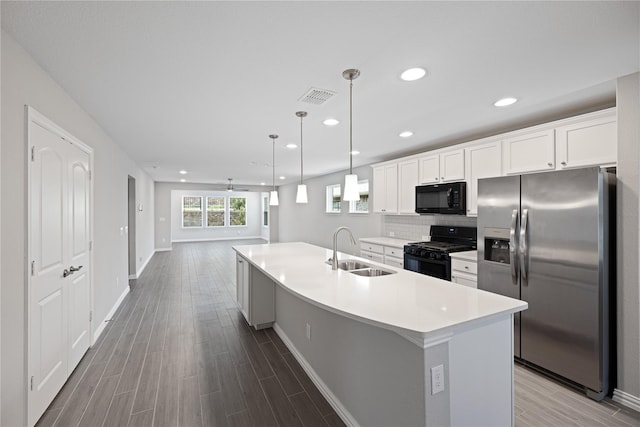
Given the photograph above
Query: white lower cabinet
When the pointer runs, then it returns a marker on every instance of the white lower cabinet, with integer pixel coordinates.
(464, 269)
(255, 294)
(392, 256)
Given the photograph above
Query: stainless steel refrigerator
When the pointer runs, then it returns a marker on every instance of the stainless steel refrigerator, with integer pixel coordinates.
(547, 239)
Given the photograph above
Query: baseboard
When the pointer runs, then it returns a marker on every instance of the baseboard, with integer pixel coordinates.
(109, 315)
(213, 239)
(144, 265)
(626, 399)
(342, 412)
(163, 249)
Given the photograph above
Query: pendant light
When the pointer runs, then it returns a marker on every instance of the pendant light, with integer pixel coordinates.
(273, 197)
(351, 192)
(301, 195)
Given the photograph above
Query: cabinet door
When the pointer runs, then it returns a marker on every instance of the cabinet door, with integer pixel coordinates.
(429, 168)
(408, 179)
(589, 143)
(529, 153)
(483, 161)
(452, 166)
(385, 189)
(242, 286)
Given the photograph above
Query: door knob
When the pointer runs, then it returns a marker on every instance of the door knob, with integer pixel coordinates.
(66, 273)
(73, 269)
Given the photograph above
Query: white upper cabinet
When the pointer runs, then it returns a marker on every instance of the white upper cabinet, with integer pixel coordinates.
(444, 167)
(483, 161)
(407, 181)
(532, 152)
(385, 189)
(589, 143)
(429, 168)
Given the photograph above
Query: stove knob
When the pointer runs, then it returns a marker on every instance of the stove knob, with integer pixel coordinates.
(433, 255)
(423, 253)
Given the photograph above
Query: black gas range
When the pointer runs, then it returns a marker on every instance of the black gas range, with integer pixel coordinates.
(432, 258)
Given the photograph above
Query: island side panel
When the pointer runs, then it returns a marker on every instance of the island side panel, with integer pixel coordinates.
(377, 376)
(481, 375)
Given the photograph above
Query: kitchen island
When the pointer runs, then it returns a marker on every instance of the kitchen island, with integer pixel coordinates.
(401, 349)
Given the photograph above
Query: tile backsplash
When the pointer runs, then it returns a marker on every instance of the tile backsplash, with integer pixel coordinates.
(413, 227)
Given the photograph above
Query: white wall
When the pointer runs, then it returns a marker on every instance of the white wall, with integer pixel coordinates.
(628, 248)
(309, 222)
(251, 230)
(25, 83)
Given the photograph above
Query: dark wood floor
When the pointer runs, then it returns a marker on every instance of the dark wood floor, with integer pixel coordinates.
(179, 353)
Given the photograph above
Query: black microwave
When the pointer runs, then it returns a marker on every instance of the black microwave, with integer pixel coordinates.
(448, 198)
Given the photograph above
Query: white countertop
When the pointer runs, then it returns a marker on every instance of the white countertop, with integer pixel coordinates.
(409, 303)
(386, 241)
(465, 255)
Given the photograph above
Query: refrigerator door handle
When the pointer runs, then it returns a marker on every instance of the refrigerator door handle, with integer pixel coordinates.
(524, 248)
(513, 260)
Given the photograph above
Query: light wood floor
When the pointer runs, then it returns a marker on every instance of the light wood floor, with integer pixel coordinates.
(178, 353)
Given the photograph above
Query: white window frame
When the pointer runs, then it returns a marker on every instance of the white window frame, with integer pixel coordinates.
(363, 188)
(330, 194)
(245, 211)
(201, 212)
(224, 211)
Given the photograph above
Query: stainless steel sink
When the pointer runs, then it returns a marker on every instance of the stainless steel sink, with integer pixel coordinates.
(371, 272)
(352, 264)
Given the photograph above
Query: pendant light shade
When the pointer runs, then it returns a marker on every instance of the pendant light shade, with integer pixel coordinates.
(273, 196)
(301, 195)
(351, 192)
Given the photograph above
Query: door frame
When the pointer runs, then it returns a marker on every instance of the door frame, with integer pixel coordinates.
(35, 117)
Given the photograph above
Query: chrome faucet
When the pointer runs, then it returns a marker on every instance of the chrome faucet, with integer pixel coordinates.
(334, 259)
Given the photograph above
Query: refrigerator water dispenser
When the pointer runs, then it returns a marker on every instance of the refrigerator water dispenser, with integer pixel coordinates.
(496, 245)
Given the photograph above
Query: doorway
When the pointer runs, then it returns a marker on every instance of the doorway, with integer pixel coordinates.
(131, 226)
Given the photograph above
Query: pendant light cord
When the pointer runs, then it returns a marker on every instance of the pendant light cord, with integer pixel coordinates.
(301, 157)
(273, 163)
(351, 126)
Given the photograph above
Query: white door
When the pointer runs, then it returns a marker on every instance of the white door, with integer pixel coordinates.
(59, 236)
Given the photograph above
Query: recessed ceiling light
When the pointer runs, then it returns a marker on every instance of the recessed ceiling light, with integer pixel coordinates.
(263, 183)
(282, 177)
(505, 101)
(406, 134)
(183, 180)
(331, 122)
(182, 172)
(291, 146)
(355, 152)
(413, 74)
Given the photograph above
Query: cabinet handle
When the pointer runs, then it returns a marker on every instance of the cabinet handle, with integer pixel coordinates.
(466, 267)
(436, 178)
(549, 164)
(239, 262)
(442, 178)
(563, 163)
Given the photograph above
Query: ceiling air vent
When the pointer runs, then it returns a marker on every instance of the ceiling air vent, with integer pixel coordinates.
(317, 96)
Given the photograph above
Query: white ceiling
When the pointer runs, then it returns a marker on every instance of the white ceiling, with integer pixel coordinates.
(200, 85)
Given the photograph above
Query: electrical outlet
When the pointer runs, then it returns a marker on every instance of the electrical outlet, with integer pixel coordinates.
(437, 379)
(308, 332)
(392, 234)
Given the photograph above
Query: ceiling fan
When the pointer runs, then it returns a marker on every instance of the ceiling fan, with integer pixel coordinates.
(231, 188)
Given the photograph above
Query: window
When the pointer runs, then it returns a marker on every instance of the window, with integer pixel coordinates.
(362, 205)
(333, 198)
(215, 211)
(237, 211)
(191, 211)
(265, 211)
